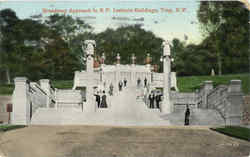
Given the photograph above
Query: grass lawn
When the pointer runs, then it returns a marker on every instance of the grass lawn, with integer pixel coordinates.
(235, 131)
(10, 127)
(185, 84)
(189, 84)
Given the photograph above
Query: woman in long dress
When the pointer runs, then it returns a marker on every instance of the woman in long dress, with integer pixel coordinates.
(104, 100)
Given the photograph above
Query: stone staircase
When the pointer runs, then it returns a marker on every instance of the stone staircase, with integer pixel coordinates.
(124, 110)
(197, 117)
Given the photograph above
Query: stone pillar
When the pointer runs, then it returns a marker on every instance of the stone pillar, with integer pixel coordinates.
(234, 110)
(90, 44)
(90, 100)
(45, 85)
(76, 79)
(167, 106)
(21, 102)
(207, 87)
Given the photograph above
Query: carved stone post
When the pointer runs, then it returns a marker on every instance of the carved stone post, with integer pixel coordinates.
(234, 110)
(21, 102)
(167, 106)
(45, 85)
(89, 49)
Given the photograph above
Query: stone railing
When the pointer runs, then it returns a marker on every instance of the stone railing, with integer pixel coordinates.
(37, 97)
(217, 100)
(27, 97)
(68, 99)
(183, 98)
(228, 101)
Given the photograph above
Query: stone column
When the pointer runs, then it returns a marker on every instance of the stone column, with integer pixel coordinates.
(167, 106)
(90, 101)
(234, 110)
(90, 44)
(21, 102)
(45, 85)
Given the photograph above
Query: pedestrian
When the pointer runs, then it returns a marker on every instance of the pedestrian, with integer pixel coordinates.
(145, 82)
(151, 100)
(111, 88)
(187, 115)
(120, 85)
(104, 100)
(157, 100)
(138, 82)
(97, 99)
(125, 82)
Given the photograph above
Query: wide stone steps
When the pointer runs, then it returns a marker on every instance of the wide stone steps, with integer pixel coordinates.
(197, 117)
(125, 110)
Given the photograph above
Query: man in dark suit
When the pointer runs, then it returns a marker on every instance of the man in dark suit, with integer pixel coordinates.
(97, 99)
(151, 100)
(158, 99)
(187, 115)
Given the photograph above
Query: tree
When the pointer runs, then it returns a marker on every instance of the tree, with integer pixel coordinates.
(226, 24)
(8, 20)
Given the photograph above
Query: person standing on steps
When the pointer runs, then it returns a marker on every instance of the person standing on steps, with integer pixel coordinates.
(97, 99)
(187, 115)
(138, 82)
(157, 100)
(151, 100)
(104, 100)
(125, 82)
(111, 88)
(120, 85)
(145, 82)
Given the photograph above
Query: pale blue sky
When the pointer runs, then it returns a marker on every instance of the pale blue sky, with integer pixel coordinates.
(163, 24)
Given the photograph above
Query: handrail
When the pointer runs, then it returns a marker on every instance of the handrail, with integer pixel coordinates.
(216, 89)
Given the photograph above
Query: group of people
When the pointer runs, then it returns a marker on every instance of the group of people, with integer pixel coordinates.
(101, 99)
(139, 82)
(122, 84)
(154, 100)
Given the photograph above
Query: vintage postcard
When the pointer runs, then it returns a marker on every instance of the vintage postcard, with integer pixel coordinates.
(127, 78)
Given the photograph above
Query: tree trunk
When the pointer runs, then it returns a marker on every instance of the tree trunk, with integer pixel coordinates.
(219, 64)
(8, 75)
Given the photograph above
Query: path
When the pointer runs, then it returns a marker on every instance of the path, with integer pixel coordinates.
(96, 141)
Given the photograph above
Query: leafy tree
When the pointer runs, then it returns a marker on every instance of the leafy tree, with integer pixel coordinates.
(225, 23)
(8, 19)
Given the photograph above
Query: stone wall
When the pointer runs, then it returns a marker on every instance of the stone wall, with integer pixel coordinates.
(246, 110)
(28, 97)
(68, 98)
(184, 98)
(4, 99)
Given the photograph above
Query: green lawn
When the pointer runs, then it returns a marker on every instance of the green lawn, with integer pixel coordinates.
(234, 131)
(6, 89)
(189, 84)
(185, 84)
(10, 127)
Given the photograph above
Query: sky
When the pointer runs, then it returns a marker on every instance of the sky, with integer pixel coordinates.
(166, 19)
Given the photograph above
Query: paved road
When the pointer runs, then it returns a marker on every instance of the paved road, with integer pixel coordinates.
(98, 141)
